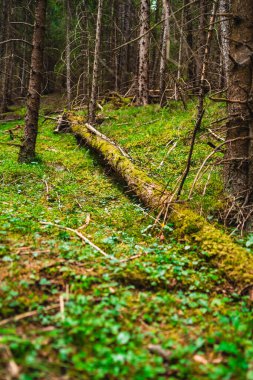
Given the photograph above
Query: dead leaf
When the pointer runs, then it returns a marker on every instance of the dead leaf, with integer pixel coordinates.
(200, 359)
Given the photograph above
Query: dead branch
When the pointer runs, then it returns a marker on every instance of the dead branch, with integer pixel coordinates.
(27, 315)
(188, 165)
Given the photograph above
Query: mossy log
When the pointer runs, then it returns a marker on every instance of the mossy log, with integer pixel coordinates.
(234, 261)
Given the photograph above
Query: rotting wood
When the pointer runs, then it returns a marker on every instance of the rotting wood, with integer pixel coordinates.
(234, 261)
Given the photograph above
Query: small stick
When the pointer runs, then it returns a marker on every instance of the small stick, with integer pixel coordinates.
(11, 144)
(82, 237)
(62, 306)
(158, 350)
(96, 132)
(27, 315)
(47, 188)
(86, 240)
(215, 135)
(188, 165)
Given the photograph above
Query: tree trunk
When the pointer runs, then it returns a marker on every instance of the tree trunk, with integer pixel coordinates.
(143, 73)
(239, 167)
(94, 85)
(68, 52)
(180, 54)
(191, 64)
(27, 150)
(7, 56)
(201, 38)
(224, 8)
(165, 51)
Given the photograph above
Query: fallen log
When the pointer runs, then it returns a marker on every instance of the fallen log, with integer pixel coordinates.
(234, 261)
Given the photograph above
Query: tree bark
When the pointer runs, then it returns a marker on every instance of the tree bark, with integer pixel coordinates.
(165, 51)
(239, 170)
(143, 73)
(94, 85)
(68, 52)
(27, 150)
(191, 64)
(224, 7)
(7, 56)
(201, 38)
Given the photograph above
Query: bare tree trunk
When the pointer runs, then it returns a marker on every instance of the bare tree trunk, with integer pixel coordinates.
(7, 56)
(165, 51)
(180, 53)
(93, 98)
(68, 62)
(157, 37)
(27, 150)
(143, 73)
(205, 60)
(191, 66)
(201, 38)
(224, 33)
(239, 167)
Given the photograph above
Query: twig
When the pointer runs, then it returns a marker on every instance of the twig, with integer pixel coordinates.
(82, 237)
(86, 240)
(27, 315)
(168, 153)
(217, 149)
(188, 165)
(11, 144)
(102, 136)
(47, 188)
(158, 350)
(228, 100)
(215, 135)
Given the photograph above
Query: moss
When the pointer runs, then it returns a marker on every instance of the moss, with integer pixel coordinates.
(144, 187)
(233, 260)
(224, 253)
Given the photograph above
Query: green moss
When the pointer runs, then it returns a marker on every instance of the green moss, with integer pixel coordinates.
(234, 261)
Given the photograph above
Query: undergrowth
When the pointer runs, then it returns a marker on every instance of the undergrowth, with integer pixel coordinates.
(94, 317)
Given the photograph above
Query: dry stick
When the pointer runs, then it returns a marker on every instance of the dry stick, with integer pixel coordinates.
(96, 132)
(11, 144)
(215, 135)
(86, 240)
(209, 156)
(27, 315)
(47, 188)
(81, 236)
(228, 100)
(158, 350)
(188, 165)
(220, 120)
(15, 40)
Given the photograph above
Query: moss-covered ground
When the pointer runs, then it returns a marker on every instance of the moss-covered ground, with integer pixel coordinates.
(67, 311)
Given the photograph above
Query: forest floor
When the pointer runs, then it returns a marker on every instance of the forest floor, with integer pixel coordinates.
(69, 312)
